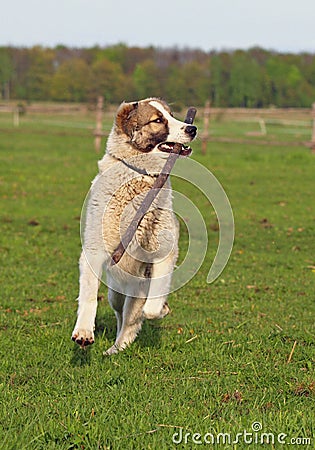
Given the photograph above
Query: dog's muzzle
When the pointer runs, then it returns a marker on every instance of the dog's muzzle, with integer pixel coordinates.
(168, 147)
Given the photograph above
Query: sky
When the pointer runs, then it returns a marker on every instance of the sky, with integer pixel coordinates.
(281, 25)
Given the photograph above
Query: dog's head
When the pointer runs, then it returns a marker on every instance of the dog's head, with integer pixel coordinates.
(149, 126)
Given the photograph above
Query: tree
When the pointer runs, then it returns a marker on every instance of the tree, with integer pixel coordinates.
(147, 80)
(72, 81)
(255, 77)
(39, 74)
(109, 81)
(307, 88)
(286, 79)
(175, 86)
(245, 81)
(188, 84)
(220, 68)
(6, 73)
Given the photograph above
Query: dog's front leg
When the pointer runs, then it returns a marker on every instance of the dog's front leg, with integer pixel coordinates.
(90, 272)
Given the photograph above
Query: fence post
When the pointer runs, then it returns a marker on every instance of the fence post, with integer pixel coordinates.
(313, 133)
(205, 134)
(98, 129)
(262, 125)
(16, 116)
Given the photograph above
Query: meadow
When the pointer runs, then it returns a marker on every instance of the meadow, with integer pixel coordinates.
(231, 367)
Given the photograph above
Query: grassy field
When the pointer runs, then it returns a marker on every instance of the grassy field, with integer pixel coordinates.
(234, 357)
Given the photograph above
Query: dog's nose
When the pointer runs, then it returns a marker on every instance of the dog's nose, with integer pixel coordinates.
(191, 130)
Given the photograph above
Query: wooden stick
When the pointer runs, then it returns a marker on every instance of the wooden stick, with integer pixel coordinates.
(190, 116)
(151, 195)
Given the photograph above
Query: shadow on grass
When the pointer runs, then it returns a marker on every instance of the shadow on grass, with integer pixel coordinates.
(81, 356)
(149, 336)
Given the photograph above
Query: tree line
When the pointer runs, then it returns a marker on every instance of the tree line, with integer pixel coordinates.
(238, 78)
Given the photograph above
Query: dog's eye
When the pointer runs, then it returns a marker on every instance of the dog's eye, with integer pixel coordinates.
(158, 120)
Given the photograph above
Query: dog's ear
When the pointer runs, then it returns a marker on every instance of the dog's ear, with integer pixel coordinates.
(126, 118)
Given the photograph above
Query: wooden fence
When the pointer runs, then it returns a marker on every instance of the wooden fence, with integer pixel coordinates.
(260, 115)
(206, 116)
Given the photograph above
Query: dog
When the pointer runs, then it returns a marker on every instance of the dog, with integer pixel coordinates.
(143, 135)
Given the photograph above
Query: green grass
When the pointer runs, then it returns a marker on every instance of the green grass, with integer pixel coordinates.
(218, 363)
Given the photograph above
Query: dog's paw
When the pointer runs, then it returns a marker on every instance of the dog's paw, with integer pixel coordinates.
(113, 350)
(83, 337)
(151, 315)
(165, 310)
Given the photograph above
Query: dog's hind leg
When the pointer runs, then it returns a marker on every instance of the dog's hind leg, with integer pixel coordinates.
(116, 301)
(132, 318)
(90, 273)
(156, 306)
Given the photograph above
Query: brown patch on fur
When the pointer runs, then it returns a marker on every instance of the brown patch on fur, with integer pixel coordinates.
(146, 140)
(126, 118)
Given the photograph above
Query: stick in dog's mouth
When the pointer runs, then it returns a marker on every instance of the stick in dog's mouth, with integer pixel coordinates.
(168, 147)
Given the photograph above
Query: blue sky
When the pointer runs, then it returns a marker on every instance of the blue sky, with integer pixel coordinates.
(283, 25)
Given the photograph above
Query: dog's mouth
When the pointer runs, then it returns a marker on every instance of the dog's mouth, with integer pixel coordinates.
(168, 147)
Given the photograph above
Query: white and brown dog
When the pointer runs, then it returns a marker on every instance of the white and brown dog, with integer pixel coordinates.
(143, 134)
